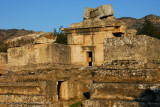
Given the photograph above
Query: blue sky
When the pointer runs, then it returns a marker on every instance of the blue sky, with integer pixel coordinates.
(45, 15)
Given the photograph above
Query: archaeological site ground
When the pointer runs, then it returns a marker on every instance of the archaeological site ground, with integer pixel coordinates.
(104, 64)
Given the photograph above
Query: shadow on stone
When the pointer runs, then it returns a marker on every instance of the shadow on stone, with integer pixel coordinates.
(87, 95)
(149, 98)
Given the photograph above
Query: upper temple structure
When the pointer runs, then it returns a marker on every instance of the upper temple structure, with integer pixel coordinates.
(104, 64)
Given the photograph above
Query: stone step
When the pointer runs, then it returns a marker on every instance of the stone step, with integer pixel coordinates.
(36, 99)
(27, 88)
(126, 75)
(25, 105)
(122, 91)
(106, 103)
(21, 90)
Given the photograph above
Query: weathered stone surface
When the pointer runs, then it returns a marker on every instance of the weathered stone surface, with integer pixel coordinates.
(3, 63)
(26, 105)
(88, 68)
(28, 92)
(126, 76)
(104, 103)
(35, 38)
(110, 18)
(141, 48)
(99, 12)
(131, 32)
(3, 58)
(89, 23)
(87, 11)
(45, 38)
(22, 99)
(23, 40)
(122, 91)
(96, 103)
(31, 57)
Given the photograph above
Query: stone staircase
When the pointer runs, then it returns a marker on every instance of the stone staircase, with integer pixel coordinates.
(115, 86)
(27, 94)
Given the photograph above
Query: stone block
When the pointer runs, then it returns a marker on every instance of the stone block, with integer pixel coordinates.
(122, 91)
(23, 99)
(99, 12)
(126, 76)
(141, 48)
(39, 56)
(87, 11)
(30, 90)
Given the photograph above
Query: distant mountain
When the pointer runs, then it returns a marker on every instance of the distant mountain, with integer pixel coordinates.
(134, 23)
(10, 33)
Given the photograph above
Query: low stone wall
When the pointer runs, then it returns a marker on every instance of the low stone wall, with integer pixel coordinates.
(39, 56)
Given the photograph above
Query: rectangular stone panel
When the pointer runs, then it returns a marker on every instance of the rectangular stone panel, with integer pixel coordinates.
(127, 76)
(122, 91)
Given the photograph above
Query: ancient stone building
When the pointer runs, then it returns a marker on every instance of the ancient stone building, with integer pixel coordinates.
(86, 38)
(103, 65)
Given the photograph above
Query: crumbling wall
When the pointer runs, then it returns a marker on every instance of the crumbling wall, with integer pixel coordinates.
(39, 56)
(142, 49)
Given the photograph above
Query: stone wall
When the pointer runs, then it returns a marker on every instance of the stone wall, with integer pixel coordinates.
(3, 58)
(39, 56)
(3, 63)
(141, 49)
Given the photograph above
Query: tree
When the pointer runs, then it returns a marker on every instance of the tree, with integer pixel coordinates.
(61, 36)
(149, 29)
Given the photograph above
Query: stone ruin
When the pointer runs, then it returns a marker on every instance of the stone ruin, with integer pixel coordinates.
(102, 66)
(99, 12)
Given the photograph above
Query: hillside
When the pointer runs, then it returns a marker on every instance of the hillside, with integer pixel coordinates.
(135, 23)
(10, 33)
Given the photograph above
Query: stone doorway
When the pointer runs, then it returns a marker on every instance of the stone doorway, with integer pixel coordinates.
(89, 58)
(59, 89)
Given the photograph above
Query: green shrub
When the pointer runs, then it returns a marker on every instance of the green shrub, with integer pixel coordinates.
(149, 29)
(61, 36)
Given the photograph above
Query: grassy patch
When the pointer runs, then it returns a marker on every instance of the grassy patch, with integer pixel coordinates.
(78, 104)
